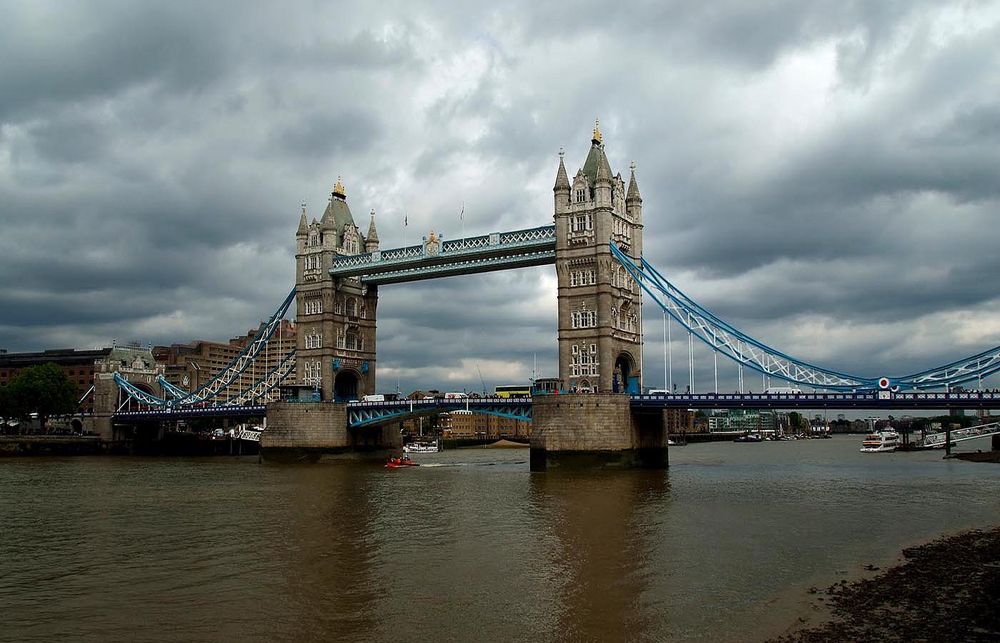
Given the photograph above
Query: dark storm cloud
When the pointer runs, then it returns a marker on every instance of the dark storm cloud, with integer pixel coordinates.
(823, 174)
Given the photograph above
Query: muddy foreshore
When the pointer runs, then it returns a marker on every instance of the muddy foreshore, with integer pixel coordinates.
(945, 590)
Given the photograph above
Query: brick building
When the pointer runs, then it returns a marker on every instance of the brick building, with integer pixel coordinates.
(466, 424)
(78, 365)
(194, 364)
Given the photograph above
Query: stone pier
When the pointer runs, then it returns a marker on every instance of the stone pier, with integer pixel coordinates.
(312, 430)
(595, 430)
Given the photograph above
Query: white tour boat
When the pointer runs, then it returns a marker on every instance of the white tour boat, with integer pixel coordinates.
(420, 447)
(886, 441)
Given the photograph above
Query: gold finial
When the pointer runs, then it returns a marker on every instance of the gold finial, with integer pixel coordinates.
(597, 130)
(632, 167)
(303, 207)
(338, 188)
(562, 152)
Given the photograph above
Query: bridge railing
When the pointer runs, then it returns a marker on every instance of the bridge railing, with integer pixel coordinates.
(456, 248)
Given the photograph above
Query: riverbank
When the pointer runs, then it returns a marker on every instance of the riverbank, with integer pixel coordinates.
(945, 590)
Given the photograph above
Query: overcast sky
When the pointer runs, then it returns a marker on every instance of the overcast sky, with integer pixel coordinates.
(824, 175)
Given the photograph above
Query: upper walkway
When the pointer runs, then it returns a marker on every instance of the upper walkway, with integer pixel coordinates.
(438, 258)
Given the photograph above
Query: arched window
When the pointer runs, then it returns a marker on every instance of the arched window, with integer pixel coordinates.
(352, 307)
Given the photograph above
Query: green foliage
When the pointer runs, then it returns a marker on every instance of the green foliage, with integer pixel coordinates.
(44, 390)
(795, 419)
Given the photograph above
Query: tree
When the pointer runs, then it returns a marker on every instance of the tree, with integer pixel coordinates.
(44, 390)
(795, 420)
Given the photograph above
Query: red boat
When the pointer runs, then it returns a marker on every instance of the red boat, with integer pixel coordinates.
(399, 463)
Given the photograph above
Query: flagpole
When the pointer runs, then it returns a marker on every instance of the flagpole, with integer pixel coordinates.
(461, 217)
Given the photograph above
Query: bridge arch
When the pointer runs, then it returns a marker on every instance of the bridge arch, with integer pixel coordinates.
(345, 384)
(624, 379)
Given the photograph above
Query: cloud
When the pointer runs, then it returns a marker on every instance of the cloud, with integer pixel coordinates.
(824, 175)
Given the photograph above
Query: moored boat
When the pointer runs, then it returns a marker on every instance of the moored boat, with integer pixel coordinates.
(884, 441)
(421, 447)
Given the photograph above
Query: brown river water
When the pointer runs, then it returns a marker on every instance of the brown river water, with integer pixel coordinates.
(474, 547)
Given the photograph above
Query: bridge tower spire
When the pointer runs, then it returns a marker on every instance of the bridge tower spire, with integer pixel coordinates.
(336, 316)
(600, 307)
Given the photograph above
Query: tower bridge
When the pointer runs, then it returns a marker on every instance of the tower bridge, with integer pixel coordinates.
(595, 242)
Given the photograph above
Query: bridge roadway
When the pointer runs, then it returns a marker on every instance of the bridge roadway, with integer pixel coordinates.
(874, 400)
(370, 413)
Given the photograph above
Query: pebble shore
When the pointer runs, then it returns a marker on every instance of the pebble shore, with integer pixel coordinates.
(945, 590)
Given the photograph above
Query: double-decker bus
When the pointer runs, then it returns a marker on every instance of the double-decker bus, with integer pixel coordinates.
(513, 390)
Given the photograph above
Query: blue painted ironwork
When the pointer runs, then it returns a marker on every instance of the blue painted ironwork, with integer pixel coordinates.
(242, 361)
(262, 389)
(874, 400)
(361, 414)
(137, 393)
(173, 391)
(208, 411)
(495, 251)
(181, 398)
(743, 349)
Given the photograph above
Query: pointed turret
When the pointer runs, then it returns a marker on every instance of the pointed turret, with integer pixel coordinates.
(371, 241)
(338, 214)
(633, 187)
(562, 179)
(596, 159)
(603, 170)
(303, 224)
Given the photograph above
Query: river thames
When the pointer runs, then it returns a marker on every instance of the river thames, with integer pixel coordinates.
(721, 547)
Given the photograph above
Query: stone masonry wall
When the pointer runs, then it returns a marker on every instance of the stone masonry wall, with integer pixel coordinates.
(584, 422)
(594, 429)
(306, 425)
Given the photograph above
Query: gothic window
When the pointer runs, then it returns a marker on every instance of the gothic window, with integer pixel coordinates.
(576, 349)
(593, 277)
(314, 306)
(313, 239)
(572, 278)
(314, 340)
(593, 349)
(593, 318)
(341, 342)
(352, 307)
(590, 222)
(579, 223)
(339, 306)
(581, 195)
(353, 344)
(313, 373)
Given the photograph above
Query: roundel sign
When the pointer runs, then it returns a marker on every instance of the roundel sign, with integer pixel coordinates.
(883, 383)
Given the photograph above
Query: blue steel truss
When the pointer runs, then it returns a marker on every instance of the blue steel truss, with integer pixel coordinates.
(495, 251)
(743, 349)
(179, 398)
(173, 391)
(361, 414)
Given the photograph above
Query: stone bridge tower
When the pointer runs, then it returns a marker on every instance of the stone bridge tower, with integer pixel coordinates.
(600, 305)
(137, 365)
(336, 317)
